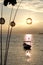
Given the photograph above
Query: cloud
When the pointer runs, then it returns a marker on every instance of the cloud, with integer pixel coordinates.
(36, 6)
(32, 5)
(1, 1)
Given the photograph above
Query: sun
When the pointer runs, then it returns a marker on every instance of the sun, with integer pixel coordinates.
(29, 21)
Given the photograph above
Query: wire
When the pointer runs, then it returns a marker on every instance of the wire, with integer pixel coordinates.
(6, 49)
(1, 10)
(14, 18)
(9, 35)
(6, 54)
(17, 10)
(9, 26)
(1, 30)
(1, 44)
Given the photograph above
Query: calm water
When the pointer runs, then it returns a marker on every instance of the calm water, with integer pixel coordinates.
(16, 55)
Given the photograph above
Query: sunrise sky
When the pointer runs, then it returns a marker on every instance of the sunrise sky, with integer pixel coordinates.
(28, 9)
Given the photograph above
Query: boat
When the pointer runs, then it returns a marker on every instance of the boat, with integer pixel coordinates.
(27, 43)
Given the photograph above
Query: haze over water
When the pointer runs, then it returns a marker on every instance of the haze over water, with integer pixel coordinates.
(16, 55)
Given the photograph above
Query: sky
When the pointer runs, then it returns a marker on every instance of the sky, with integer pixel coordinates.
(28, 9)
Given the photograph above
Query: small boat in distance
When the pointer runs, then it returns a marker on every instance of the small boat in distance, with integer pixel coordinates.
(27, 43)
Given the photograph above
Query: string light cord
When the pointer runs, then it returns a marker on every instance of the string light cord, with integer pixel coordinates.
(6, 49)
(6, 55)
(9, 34)
(17, 10)
(1, 31)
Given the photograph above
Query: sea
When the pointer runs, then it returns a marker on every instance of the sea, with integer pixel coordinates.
(16, 52)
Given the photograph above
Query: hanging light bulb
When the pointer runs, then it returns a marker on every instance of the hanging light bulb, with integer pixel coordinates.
(2, 20)
(29, 21)
(12, 24)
